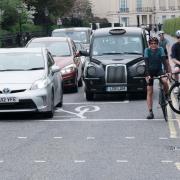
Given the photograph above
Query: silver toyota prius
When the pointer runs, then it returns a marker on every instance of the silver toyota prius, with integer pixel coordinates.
(29, 81)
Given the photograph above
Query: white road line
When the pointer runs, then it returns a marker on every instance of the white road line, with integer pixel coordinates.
(90, 138)
(58, 137)
(92, 103)
(163, 138)
(64, 116)
(39, 161)
(1, 161)
(166, 161)
(121, 161)
(132, 137)
(79, 161)
(98, 120)
(22, 137)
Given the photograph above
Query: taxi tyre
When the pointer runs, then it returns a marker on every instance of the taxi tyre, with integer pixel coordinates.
(89, 96)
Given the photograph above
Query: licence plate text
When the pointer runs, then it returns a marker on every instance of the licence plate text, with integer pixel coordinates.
(116, 88)
(8, 99)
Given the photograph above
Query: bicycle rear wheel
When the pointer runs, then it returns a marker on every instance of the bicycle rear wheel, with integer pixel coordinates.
(175, 98)
(163, 104)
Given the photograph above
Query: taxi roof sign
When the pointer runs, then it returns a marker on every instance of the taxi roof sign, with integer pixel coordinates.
(117, 31)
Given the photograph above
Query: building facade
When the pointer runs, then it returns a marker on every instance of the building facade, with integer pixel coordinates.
(136, 12)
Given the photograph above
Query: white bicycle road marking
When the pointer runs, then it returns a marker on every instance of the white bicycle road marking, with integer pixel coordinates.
(81, 110)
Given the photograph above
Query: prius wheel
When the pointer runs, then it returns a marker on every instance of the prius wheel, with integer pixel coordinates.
(80, 82)
(50, 113)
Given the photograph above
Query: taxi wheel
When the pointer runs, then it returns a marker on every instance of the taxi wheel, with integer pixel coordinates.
(89, 96)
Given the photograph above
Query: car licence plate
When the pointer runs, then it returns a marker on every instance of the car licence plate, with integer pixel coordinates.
(116, 88)
(9, 99)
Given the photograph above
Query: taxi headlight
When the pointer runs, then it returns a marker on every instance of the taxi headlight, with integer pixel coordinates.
(91, 71)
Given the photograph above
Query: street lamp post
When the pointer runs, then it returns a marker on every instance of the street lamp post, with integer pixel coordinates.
(20, 10)
(46, 13)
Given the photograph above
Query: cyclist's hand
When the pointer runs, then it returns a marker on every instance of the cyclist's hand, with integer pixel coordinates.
(148, 78)
(168, 75)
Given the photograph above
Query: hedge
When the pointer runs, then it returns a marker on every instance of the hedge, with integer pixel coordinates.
(171, 26)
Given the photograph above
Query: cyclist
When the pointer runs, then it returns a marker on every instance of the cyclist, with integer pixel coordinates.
(175, 55)
(156, 65)
(164, 43)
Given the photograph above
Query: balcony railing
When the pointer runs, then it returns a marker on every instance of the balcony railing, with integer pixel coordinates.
(172, 7)
(144, 9)
(162, 8)
(124, 10)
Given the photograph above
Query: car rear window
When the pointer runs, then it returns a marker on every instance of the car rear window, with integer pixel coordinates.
(56, 48)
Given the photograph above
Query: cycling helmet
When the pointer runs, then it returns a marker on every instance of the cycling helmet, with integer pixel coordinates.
(160, 33)
(178, 33)
(153, 39)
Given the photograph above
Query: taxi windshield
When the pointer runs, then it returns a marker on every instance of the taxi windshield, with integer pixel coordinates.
(117, 44)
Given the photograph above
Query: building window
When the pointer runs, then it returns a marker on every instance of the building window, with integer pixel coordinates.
(139, 5)
(164, 18)
(123, 4)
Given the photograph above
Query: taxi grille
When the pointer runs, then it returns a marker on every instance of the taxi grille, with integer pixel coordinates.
(116, 74)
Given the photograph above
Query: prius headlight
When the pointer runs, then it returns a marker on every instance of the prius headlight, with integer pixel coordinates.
(40, 84)
(68, 69)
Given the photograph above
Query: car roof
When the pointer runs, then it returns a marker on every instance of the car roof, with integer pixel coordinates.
(19, 50)
(72, 29)
(52, 39)
(129, 30)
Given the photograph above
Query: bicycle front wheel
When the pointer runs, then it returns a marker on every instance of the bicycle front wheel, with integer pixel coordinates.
(174, 94)
(163, 104)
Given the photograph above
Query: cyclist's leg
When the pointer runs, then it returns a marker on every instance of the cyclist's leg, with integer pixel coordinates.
(150, 99)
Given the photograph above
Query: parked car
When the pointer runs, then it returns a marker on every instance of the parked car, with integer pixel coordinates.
(81, 34)
(30, 81)
(116, 57)
(66, 56)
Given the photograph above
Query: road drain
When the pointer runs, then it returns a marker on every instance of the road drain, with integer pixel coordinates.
(174, 148)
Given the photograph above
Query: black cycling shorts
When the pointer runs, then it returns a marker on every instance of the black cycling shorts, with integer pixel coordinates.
(154, 74)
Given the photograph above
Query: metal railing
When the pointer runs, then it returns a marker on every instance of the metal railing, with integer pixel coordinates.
(17, 40)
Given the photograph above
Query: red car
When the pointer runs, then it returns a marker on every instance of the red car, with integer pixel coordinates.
(66, 56)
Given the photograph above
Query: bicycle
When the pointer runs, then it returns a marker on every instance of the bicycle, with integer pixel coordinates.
(162, 98)
(174, 102)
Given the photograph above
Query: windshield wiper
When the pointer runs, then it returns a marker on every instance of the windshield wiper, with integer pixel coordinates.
(138, 53)
(38, 68)
(12, 69)
(111, 53)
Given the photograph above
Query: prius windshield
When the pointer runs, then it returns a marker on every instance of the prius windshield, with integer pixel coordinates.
(117, 44)
(21, 61)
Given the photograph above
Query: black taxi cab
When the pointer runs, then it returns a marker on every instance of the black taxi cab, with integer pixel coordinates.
(115, 58)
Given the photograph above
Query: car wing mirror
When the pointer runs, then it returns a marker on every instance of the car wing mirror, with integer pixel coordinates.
(84, 53)
(55, 69)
